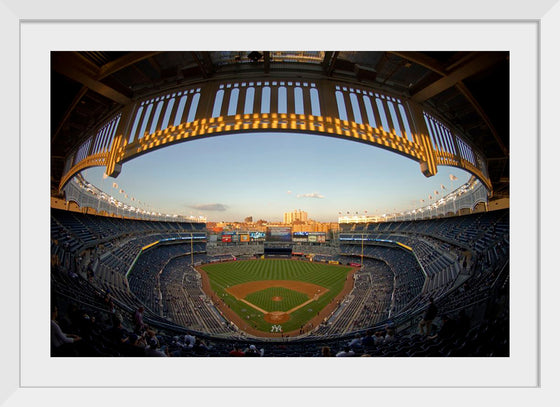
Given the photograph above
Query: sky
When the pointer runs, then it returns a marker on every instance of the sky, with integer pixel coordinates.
(263, 175)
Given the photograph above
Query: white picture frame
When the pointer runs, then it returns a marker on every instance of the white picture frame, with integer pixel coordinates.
(536, 168)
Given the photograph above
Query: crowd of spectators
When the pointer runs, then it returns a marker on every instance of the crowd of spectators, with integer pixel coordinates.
(101, 318)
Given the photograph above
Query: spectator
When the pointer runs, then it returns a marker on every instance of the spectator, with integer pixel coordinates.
(189, 341)
(390, 335)
(153, 348)
(135, 346)
(326, 351)
(447, 330)
(139, 320)
(237, 352)
(368, 340)
(61, 344)
(108, 300)
(379, 337)
(118, 333)
(252, 351)
(346, 352)
(356, 342)
(200, 348)
(425, 325)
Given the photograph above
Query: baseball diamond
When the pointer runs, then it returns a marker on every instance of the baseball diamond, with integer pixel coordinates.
(257, 294)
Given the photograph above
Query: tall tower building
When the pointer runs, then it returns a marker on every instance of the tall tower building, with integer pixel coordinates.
(296, 215)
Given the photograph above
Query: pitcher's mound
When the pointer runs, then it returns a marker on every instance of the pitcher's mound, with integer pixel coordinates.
(276, 298)
(277, 317)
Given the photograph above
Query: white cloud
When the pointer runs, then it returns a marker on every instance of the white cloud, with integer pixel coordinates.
(288, 192)
(210, 207)
(311, 195)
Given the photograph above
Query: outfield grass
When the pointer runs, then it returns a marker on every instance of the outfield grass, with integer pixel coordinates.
(224, 275)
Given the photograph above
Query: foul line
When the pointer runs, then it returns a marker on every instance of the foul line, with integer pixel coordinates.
(315, 297)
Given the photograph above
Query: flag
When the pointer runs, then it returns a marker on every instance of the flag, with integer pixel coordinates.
(442, 186)
(452, 177)
(436, 192)
(115, 185)
(430, 197)
(422, 200)
(121, 191)
(105, 175)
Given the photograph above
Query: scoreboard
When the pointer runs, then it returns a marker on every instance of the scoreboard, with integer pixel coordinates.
(311, 237)
(317, 237)
(278, 234)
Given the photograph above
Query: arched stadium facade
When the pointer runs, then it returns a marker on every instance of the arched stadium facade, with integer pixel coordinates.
(454, 252)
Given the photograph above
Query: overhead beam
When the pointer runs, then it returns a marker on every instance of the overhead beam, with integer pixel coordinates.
(434, 66)
(266, 55)
(155, 65)
(77, 98)
(326, 59)
(106, 70)
(123, 62)
(74, 67)
(331, 63)
(468, 95)
(200, 65)
(208, 62)
(423, 60)
(394, 71)
(478, 64)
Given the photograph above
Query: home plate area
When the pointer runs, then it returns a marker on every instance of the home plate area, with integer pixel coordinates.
(277, 299)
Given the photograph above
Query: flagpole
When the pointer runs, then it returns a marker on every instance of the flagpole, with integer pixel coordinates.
(362, 258)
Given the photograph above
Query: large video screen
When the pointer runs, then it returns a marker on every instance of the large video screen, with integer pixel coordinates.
(257, 235)
(278, 234)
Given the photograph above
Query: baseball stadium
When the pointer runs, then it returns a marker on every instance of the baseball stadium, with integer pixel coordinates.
(129, 280)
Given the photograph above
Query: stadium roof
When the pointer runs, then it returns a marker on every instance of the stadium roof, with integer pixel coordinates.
(468, 89)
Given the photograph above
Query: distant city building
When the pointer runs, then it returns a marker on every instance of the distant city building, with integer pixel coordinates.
(295, 216)
(249, 219)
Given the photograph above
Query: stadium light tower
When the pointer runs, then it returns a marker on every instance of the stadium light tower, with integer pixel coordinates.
(362, 257)
(192, 253)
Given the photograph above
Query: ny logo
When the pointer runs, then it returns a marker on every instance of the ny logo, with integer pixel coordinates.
(276, 328)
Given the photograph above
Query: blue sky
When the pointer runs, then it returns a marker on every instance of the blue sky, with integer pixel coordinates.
(227, 178)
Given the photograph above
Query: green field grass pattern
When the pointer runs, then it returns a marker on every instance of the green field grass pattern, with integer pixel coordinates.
(224, 275)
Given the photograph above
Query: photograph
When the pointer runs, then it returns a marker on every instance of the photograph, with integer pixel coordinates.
(280, 203)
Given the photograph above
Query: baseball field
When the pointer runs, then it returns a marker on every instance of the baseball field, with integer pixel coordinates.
(276, 295)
